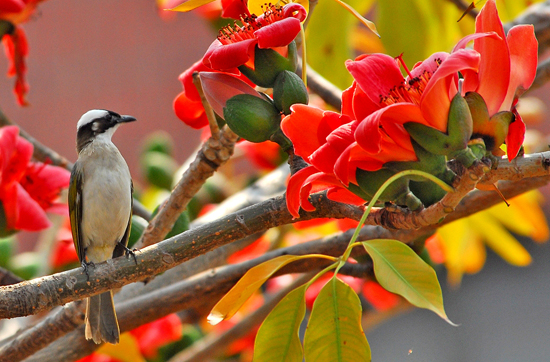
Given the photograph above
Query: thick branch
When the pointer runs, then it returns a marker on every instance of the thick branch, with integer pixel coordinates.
(41, 294)
(199, 293)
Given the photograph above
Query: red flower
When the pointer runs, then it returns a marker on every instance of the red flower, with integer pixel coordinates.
(370, 131)
(379, 297)
(63, 252)
(190, 112)
(277, 27)
(507, 69)
(151, 336)
(187, 105)
(27, 189)
(15, 42)
(264, 155)
(234, 9)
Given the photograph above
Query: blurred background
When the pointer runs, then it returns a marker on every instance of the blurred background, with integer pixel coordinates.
(116, 55)
(123, 56)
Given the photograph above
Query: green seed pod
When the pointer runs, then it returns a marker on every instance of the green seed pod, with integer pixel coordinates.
(252, 118)
(288, 90)
(268, 64)
(138, 227)
(159, 169)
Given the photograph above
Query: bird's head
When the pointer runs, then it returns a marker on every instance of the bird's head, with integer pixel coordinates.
(98, 124)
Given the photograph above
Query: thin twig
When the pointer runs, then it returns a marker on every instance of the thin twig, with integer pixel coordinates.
(41, 152)
(328, 92)
(210, 157)
(214, 128)
(462, 6)
(8, 278)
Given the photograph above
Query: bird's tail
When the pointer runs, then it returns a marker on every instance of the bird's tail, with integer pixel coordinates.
(101, 321)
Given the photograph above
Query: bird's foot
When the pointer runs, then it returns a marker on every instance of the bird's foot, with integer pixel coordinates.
(129, 252)
(85, 266)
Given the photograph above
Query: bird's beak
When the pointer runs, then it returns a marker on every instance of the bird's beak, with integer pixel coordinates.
(126, 119)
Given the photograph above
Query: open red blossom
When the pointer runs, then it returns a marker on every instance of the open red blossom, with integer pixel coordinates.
(276, 28)
(507, 69)
(370, 132)
(27, 190)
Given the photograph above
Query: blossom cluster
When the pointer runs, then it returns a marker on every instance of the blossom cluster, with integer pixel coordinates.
(446, 107)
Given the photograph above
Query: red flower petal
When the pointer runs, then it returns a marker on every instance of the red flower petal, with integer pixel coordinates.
(494, 69)
(191, 113)
(524, 59)
(30, 215)
(324, 158)
(226, 57)
(436, 99)
(301, 126)
(376, 74)
(278, 34)
(345, 196)
(515, 136)
(234, 9)
(11, 6)
(293, 190)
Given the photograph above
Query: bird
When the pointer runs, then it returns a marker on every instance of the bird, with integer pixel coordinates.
(100, 210)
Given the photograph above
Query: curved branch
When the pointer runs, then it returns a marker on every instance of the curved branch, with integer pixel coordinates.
(213, 153)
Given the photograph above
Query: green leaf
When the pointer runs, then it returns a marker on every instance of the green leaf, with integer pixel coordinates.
(277, 339)
(334, 331)
(328, 45)
(401, 271)
(249, 283)
(189, 5)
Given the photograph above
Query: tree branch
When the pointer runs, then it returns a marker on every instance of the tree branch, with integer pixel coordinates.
(213, 154)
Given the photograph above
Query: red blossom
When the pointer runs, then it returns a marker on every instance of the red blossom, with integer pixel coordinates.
(187, 105)
(264, 155)
(379, 297)
(151, 336)
(276, 28)
(27, 189)
(507, 69)
(15, 42)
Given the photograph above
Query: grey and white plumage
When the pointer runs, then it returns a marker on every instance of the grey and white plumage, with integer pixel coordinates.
(100, 207)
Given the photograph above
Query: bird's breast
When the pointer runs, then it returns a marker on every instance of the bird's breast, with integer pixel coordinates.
(106, 201)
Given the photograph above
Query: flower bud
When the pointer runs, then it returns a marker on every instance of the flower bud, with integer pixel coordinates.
(252, 118)
(268, 64)
(288, 90)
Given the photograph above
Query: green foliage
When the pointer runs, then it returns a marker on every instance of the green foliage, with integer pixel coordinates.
(401, 271)
(138, 227)
(277, 339)
(250, 282)
(328, 44)
(334, 331)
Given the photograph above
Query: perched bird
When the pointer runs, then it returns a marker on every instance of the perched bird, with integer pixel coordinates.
(100, 208)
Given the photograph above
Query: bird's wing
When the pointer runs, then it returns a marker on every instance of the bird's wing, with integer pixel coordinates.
(75, 210)
(119, 251)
